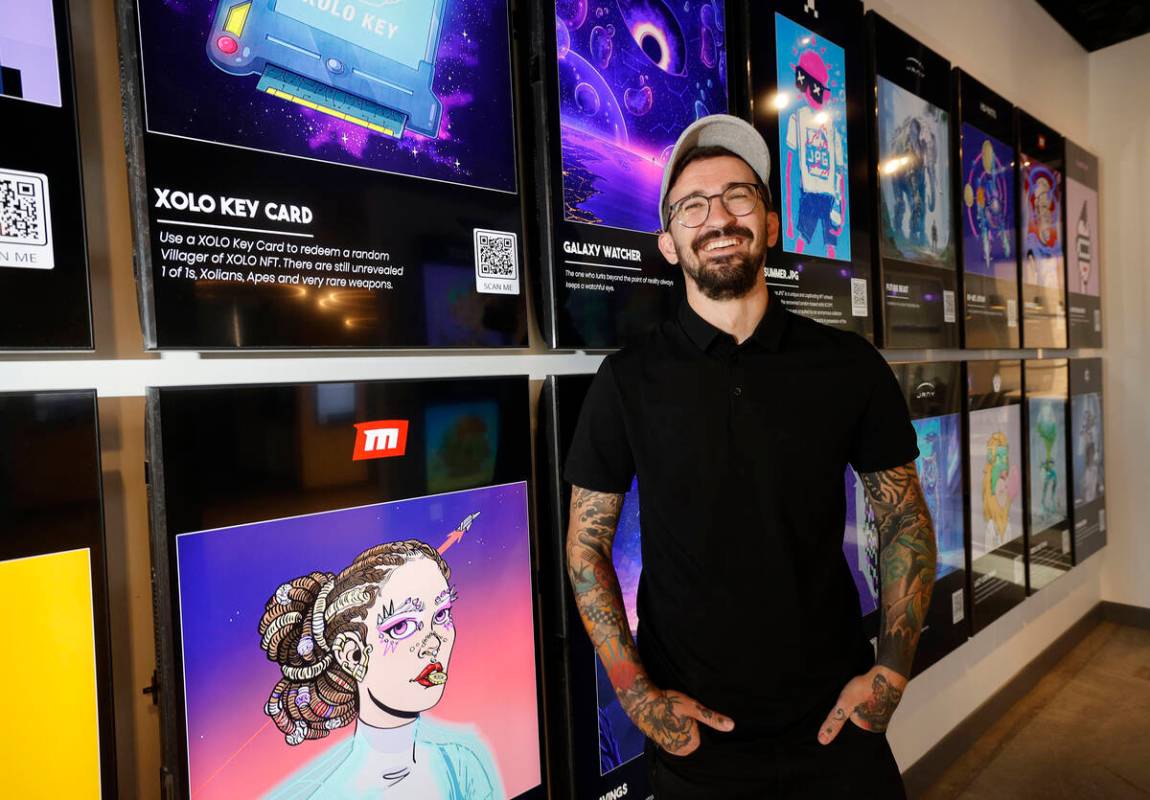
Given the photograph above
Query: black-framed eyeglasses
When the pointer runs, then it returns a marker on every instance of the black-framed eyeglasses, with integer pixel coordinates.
(740, 199)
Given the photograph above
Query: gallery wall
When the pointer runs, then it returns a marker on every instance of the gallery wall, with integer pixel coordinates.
(1119, 114)
(1015, 48)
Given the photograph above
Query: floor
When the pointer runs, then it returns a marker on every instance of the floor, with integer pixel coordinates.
(1082, 732)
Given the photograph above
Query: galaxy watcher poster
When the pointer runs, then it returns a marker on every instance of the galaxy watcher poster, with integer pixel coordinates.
(1083, 256)
(339, 630)
(933, 393)
(807, 92)
(598, 747)
(986, 203)
(1049, 546)
(1043, 265)
(915, 238)
(996, 476)
(336, 174)
(622, 80)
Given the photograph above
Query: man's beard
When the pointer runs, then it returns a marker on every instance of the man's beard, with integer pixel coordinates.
(724, 277)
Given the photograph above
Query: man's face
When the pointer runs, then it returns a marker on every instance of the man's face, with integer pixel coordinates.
(724, 255)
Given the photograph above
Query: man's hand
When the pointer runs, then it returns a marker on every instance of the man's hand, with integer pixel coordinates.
(671, 719)
(867, 701)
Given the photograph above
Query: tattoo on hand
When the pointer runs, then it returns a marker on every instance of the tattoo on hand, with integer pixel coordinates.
(908, 556)
(875, 713)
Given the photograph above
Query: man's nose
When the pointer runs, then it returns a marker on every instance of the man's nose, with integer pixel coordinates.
(717, 215)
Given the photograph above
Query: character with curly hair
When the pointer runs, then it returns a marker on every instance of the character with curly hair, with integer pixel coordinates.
(372, 646)
(996, 492)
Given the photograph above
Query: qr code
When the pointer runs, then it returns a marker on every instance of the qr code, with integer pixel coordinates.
(496, 262)
(22, 211)
(948, 306)
(859, 305)
(25, 220)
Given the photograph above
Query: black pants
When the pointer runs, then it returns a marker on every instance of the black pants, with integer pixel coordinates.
(857, 765)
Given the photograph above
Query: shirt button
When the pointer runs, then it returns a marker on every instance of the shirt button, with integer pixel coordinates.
(738, 391)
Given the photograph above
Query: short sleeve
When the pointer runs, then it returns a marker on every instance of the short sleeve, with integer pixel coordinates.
(600, 456)
(792, 137)
(884, 437)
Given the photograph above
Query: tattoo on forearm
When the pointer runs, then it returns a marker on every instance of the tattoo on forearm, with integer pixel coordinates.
(907, 558)
(876, 712)
(594, 516)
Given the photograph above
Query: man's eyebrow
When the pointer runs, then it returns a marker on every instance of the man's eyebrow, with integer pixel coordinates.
(701, 193)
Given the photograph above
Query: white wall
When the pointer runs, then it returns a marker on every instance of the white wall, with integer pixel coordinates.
(1120, 131)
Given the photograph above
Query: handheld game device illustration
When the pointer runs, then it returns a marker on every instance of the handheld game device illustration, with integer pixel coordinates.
(368, 62)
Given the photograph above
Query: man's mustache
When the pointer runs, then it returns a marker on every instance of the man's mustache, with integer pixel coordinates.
(731, 230)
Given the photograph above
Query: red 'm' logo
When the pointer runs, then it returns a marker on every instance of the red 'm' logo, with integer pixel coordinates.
(380, 439)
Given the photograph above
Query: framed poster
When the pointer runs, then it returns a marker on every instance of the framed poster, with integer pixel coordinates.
(360, 557)
(1088, 474)
(617, 83)
(988, 247)
(54, 597)
(332, 175)
(45, 302)
(598, 747)
(1040, 233)
(933, 393)
(1049, 549)
(995, 469)
(807, 88)
(912, 194)
(1083, 240)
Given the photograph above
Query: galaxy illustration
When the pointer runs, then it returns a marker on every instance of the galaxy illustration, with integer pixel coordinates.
(987, 205)
(632, 75)
(619, 740)
(471, 136)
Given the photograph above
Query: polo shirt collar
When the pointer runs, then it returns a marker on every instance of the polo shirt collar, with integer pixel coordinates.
(768, 333)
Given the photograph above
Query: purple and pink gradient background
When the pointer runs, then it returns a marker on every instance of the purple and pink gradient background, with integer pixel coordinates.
(227, 575)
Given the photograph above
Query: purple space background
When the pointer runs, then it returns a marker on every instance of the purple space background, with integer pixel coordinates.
(994, 218)
(632, 75)
(186, 95)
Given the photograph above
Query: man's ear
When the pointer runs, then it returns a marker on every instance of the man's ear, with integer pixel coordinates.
(772, 228)
(667, 247)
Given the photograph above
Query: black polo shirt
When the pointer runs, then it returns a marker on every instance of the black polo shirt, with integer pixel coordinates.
(746, 602)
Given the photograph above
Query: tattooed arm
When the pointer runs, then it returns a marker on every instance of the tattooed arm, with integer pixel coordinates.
(907, 556)
(668, 718)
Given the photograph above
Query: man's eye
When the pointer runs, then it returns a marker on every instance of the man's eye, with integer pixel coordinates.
(692, 205)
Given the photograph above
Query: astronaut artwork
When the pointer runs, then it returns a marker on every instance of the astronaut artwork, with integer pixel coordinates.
(813, 143)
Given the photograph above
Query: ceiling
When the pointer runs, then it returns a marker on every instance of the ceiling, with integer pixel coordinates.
(1100, 23)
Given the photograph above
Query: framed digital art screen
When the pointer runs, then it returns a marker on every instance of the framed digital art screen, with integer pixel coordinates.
(1049, 545)
(618, 82)
(1083, 247)
(911, 180)
(996, 469)
(807, 88)
(987, 197)
(344, 574)
(44, 295)
(933, 392)
(54, 593)
(330, 175)
(1088, 472)
(1042, 245)
(595, 746)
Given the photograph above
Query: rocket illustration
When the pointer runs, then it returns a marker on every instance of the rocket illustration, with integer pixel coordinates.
(456, 535)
